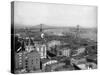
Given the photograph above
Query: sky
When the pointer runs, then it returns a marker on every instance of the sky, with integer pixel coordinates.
(30, 14)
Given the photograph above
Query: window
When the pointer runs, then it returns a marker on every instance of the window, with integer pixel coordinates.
(20, 60)
(26, 63)
(20, 57)
(20, 54)
(26, 66)
(20, 63)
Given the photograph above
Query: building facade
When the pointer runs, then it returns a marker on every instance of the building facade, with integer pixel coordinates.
(29, 61)
(64, 52)
(19, 60)
(32, 61)
(42, 49)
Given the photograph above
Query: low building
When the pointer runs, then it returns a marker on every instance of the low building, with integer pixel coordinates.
(79, 51)
(64, 52)
(46, 62)
(53, 67)
(53, 43)
(86, 66)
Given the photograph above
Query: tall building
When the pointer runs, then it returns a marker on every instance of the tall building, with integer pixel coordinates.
(32, 61)
(42, 49)
(19, 60)
(64, 52)
(28, 59)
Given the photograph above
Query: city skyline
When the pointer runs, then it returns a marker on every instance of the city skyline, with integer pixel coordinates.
(47, 37)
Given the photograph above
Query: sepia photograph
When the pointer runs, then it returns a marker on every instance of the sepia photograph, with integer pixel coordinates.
(50, 37)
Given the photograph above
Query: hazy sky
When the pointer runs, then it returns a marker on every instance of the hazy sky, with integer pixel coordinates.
(28, 13)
